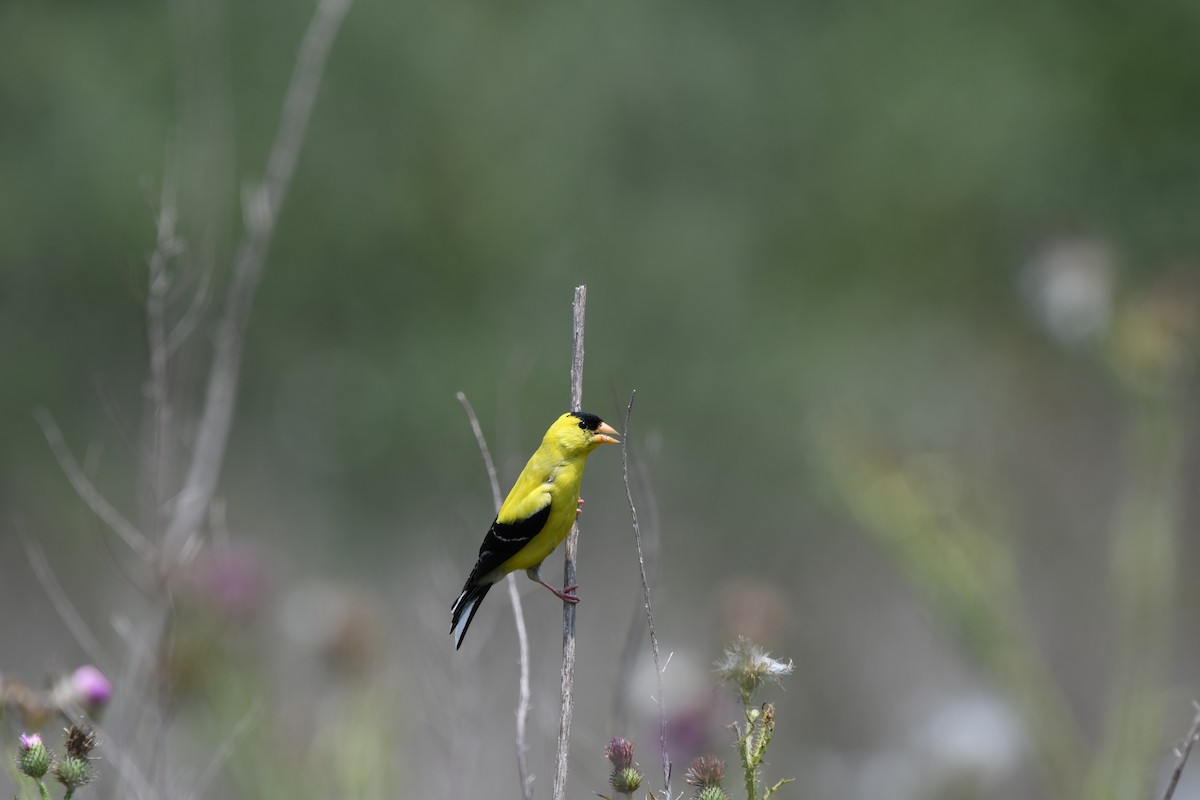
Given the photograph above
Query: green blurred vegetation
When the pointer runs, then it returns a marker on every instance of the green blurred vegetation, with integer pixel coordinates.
(780, 209)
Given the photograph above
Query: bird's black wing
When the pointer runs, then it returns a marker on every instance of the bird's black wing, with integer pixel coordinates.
(505, 539)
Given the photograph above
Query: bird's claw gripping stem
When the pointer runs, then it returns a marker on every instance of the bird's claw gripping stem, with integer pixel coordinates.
(564, 593)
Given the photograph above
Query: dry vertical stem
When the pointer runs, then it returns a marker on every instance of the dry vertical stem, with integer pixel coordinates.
(637, 538)
(195, 496)
(572, 549)
(518, 614)
(1183, 752)
(263, 203)
(630, 650)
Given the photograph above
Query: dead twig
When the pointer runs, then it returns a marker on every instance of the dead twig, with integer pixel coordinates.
(262, 206)
(637, 539)
(166, 247)
(88, 492)
(651, 535)
(191, 505)
(514, 596)
(571, 552)
(1183, 752)
(62, 603)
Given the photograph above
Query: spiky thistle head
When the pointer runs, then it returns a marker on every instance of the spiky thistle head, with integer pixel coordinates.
(625, 780)
(620, 752)
(76, 769)
(706, 773)
(81, 741)
(33, 759)
(626, 777)
(73, 772)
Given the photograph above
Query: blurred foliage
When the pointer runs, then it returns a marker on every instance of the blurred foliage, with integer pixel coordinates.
(967, 574)
(779, 209)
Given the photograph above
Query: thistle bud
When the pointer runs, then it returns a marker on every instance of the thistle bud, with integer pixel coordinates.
(33, 759)
(73, 772)
(626, 777)
(625, 780)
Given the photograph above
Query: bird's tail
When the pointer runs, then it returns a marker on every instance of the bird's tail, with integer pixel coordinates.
(464, 610)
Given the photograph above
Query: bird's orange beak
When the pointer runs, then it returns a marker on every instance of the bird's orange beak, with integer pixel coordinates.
(606, 434)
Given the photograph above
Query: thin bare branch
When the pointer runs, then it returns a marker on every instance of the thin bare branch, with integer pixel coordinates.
(131, 637)
(88, 492)
(571, 552)
(1183, 752)
(523, 695)
(637, 539)
(166, 246)
(514, 596)
(62, 603)
(111, 408)
(138, 786)
(578, 307)
(201, 293)
(261, 212)
(488, 464)
(264, 201)
(633, 640)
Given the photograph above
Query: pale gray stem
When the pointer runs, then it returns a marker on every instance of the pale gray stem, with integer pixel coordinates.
(262, 207)
(62, 603)
(201, 295)
(166, 246)
(88, 492)
(571, 551)
(514, 596)
(637, 538)
(263, 203)
(134, 782)
(1184, 751)
(632, 646)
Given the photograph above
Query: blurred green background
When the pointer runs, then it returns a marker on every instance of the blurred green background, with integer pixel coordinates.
(948, 229)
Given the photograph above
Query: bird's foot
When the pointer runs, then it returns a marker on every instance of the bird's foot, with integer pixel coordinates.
(565, 593)
(579, 510)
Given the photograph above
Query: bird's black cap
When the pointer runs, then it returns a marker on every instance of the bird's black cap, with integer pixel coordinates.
(589, 422)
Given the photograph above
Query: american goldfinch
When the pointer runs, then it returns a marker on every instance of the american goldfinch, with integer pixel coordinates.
(537, 514)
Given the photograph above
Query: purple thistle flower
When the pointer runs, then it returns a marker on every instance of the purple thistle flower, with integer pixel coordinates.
(620, 752)
(33, 759)
(91, 686)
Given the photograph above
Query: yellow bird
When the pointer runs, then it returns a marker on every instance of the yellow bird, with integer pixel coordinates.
(537, 514)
